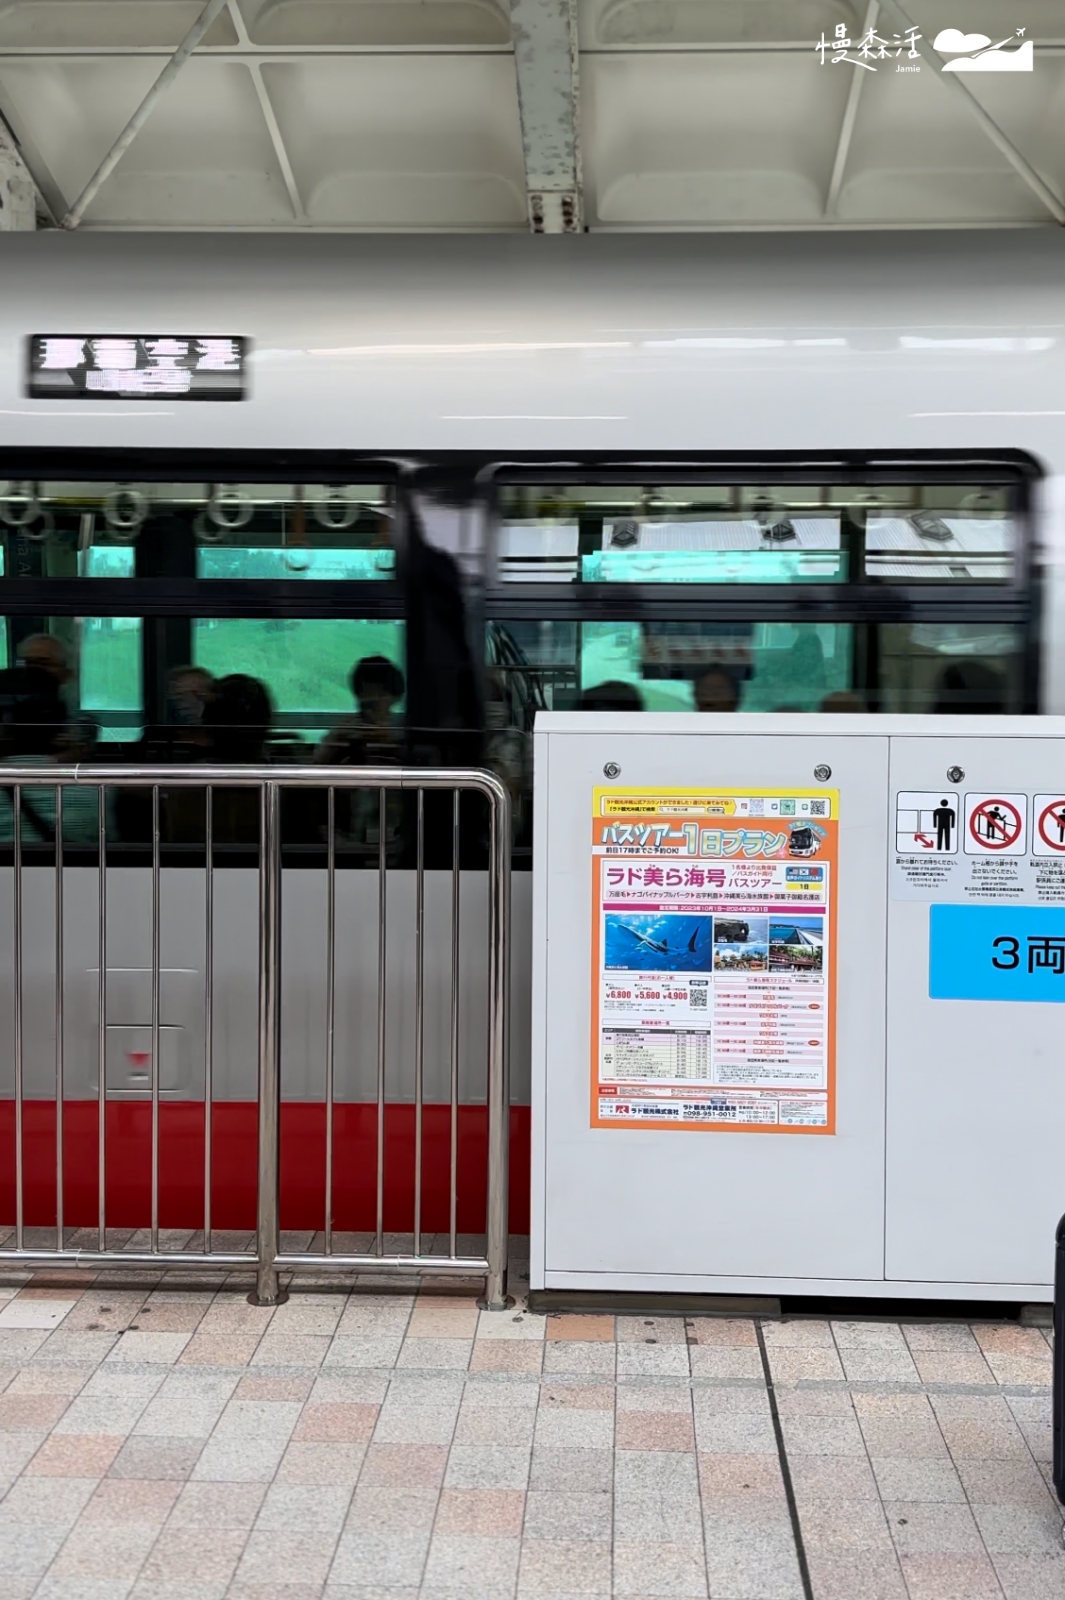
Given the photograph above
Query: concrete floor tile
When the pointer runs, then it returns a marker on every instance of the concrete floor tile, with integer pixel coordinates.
(570, 1566)
(146, 1457)
(496, 1513)
(348, 1386)
(1004, 1483)
(923, 1527)
(45, 1502)
(659, 1569)
(22, 1412)
(287, 1349)
(255, 1385)
(845, 1576)
(580, 1327)
(856, 1525)
(318, 1508)
(16, 1450)
(653, 1360)
(831, 1478)
(366, 1557)
(950, 1577)
(577, 1396)
(111, 1551)
(398, 1465)
(755, 1564)
(19, 1344)
(408, 1424)
(1020, 1369)
(67, 1588)
(568, 1471)
(178, 1589)
(795, 1401)
(431, 1320)
(364, 1350)
(321, 1463)
(657, 1518)
(507, 1355)
(573, 1428)
(495, 1426)
(573, 1356)
(724, 1361)
(1009, 1339)
(399, 1511)
(803, 1364)
(125, 1500)
(509, 1394)
(1032, 1577)
(90, 1413)
(735, 1331)
(49, 1379)
(1021, 1530)
(510, 1326)
(488, 1467)
(821, 1436)
(435, 1354)
(655, 1430)
(754, 1473)
(653, 1394)
(235, 1460)
(207, 1506)
(339, 1421)
(928, 1478)
(800, 1333)
(952, 1366)
(183, 1554)
(574, 1514)
(219, 1349)
(942, 1336)
(303, 1315)
(74, 1456)
(894, 1365)
(29, 1311)
(162, 1347)
(868, 1336)
(655, 1471)
(472, 1564)
(651, 1330)
(742, 1432)
(295, 1555)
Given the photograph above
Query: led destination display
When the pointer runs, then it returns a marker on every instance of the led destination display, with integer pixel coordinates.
(149, 366)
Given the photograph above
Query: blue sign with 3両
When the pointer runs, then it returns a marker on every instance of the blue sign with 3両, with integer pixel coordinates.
(996, 953)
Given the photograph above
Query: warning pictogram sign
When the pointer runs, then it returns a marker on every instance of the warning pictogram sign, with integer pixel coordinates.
(1049, 817)
(926, 823)
(995, 824)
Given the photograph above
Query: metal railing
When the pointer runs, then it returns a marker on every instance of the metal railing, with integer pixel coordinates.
(269, 783)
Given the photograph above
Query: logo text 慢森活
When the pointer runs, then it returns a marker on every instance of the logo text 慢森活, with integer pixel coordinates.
(960, 52)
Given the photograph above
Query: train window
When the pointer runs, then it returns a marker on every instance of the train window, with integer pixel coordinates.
(109, 659)
(236, 531)
(310, 669)
(752, 666)
(670, 535)
(755, 534)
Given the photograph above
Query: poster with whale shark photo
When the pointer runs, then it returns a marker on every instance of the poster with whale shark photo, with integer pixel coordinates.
(712, 972)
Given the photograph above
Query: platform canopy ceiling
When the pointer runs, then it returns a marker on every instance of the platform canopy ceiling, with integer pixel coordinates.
(557, 115)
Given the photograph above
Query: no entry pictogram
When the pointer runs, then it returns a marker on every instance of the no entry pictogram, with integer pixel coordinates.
(995, 824)
(1052, 825)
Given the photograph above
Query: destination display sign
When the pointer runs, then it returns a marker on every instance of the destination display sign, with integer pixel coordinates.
(143, 366)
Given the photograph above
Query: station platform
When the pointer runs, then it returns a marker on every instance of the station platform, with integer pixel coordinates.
(162, 1440)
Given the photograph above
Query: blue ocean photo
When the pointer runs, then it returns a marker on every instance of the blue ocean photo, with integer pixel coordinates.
(657, 942)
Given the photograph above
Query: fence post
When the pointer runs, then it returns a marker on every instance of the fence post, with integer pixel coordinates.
(1059, 1364)
(498, 1048)
(269, 1041)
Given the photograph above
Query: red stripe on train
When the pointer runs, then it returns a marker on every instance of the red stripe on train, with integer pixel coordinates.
(233, 1178)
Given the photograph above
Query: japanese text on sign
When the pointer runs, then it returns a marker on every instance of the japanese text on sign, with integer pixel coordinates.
(713, 970)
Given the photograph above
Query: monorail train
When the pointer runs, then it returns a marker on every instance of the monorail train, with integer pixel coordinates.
(456, 480)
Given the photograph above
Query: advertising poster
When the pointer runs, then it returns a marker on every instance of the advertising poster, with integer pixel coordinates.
(713, 966)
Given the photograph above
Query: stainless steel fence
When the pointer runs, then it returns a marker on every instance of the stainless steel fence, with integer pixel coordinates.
(24, 815)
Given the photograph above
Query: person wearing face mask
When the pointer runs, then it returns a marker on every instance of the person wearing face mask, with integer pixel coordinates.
(372, 737)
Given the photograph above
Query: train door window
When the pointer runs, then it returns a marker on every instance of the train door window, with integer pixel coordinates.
(948, 668)
(310, 668)
(109, 673)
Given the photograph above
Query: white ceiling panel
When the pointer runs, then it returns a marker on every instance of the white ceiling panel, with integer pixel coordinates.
(393, 142)
(404, 114)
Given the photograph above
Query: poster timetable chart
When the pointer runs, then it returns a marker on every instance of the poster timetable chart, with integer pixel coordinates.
(712, 972)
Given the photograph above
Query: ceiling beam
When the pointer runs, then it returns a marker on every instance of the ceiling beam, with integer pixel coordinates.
(545, 61)
(999, 139)
(850, 117)
(211, 10)
(18, 192)
(273, 127)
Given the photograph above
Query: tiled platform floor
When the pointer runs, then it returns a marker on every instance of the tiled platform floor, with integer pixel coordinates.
(165, 1443)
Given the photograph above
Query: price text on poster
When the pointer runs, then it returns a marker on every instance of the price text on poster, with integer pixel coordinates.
(713, 961)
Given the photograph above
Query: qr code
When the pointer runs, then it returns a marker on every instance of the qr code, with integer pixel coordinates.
(697, 999)
(818, 808)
